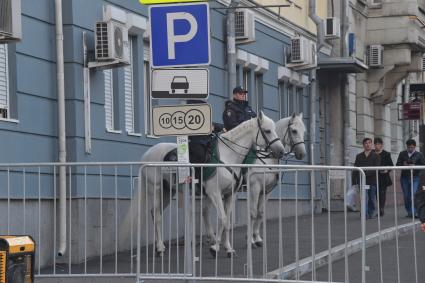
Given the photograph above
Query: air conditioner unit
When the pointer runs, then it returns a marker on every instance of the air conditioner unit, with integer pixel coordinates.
(299, 52)
(10, 21)
(112, 43)
(244, 26)
(303, 54)
(332, 28)
(375, 56)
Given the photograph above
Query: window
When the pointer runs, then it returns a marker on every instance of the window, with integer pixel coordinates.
(149, 103)
(130, 90)
(259, 104)
(109, 100)
(246, 76)
(291, 100)
(300, 100)
(4, 83)
(283, 101)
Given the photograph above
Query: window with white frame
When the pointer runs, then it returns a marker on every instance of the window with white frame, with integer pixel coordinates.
(283, 100)
(300, 100)
(258, 96)
(130, 93)
(149, 103)
(4, 82)
(246, 79)
(109, 100)
(292, 101)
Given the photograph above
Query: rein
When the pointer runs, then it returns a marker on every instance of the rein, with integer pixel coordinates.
(260, 151)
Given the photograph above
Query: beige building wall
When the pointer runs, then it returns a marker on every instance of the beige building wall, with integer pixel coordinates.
(298, 12)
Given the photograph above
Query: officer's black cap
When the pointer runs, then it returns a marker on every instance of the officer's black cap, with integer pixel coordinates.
(239, 89)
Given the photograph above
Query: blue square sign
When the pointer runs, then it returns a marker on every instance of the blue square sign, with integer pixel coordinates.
(180, 35)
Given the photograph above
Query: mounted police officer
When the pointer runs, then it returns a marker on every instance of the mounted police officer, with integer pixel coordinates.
(237, 110)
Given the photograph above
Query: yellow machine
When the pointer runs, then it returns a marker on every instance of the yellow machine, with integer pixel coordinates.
(16, 259)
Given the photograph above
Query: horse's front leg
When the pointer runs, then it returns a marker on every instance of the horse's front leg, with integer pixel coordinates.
(254, 195)
(215, 198)
(262, 200)
(207, 221)
(229, 201)
(157, 218)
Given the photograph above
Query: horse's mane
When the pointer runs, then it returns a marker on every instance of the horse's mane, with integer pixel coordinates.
(237, 131)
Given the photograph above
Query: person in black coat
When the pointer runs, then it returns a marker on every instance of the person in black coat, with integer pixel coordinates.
(410, 157)
(384, 175)
(420, 206)
(367, 158)
(237, 110)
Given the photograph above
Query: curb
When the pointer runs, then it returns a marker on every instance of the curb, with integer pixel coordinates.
(305, 265)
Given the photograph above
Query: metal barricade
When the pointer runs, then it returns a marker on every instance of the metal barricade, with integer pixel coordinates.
(308, 234)
(267, 263)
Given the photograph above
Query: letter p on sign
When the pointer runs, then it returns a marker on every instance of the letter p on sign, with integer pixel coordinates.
(180, 35)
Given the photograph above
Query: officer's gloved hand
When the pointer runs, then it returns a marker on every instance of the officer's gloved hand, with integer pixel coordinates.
(217, 127)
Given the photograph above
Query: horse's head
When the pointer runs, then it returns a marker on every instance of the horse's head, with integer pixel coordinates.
(293, 136)
(266, 136)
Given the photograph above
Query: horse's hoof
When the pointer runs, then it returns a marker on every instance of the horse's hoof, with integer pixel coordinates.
(259, 244)
(254, 245)
(213, 252)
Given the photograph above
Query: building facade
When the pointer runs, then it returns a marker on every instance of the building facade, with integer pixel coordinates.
(108, 109)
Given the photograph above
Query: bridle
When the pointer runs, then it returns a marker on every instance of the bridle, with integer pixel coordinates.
(260, 130)
(268, 142)
(288, 135)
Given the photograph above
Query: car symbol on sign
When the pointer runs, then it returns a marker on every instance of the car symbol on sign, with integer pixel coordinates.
(179, 82)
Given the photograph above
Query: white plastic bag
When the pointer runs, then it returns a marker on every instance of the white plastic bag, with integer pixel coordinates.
(352, 196)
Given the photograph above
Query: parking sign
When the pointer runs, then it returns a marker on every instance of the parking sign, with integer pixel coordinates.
(180, 35)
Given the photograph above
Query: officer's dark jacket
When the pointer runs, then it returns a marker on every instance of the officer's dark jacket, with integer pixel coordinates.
(236, 112)
(420, 204)
(416, 159)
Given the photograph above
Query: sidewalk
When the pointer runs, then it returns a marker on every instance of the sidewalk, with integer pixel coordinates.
(266, 259)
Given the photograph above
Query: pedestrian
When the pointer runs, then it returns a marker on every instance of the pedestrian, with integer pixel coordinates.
(237, 110)
(368, 158)
(384, 179)
(410, 157)
(420, 206)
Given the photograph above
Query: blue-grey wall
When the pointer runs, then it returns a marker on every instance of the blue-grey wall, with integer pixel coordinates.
(34, 137)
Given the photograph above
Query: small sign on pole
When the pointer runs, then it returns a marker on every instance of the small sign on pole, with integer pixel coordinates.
(183, 157)
(180, 83)
(182, 120)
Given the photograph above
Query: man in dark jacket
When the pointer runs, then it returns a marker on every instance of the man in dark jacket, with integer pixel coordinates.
(384, 175)
(368, 158)
(237, 110)
(420, 206)
(409, 157)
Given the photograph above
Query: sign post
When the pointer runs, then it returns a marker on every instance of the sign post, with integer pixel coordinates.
(180, 37)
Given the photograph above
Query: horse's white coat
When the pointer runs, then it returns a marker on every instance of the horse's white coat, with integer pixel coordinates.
(261, 185)
(239, 141)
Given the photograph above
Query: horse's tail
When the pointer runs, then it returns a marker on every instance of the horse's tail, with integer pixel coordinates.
(127, 234)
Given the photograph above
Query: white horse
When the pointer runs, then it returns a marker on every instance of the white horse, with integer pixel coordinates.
(232, 147)
(291, 133)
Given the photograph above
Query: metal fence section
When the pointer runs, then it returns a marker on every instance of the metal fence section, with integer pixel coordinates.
(120, 223)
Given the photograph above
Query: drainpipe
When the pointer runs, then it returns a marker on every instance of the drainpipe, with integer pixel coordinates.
(313, 88)
(313, 97)
(344, 87)
(61, 127)
(231, 47)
